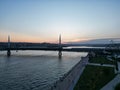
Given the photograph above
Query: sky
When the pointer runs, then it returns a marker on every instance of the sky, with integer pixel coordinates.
(44, 20)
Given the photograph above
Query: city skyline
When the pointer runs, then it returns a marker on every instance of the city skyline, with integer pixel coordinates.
(44, 20)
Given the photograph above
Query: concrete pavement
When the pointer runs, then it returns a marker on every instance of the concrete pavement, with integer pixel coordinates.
(111, 85)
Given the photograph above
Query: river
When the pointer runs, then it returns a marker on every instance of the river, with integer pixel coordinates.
(34, 70)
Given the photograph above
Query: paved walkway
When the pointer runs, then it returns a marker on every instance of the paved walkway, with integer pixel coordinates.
(119, 66)
(105, 65)
(114, 82)
(85, 61)
(70, 79)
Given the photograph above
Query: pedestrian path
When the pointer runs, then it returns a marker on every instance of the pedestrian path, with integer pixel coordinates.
(119, 67)
(85, 61)
(111, 85)
(105, 65)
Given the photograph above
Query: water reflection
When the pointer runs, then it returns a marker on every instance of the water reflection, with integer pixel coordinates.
(60, 55)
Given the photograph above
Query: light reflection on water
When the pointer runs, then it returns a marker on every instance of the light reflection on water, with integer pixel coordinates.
(34, 70)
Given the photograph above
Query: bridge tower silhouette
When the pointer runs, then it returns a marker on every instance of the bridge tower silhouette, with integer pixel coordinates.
(60, 47)
(8, 48)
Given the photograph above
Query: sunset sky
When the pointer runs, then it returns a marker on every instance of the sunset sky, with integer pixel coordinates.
(44, 20)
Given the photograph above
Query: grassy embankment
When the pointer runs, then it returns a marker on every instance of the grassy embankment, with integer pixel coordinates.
(101, 60)
(95, 77)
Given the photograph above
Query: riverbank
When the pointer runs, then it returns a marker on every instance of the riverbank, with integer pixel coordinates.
(69, 80)
(94, 77)
(97, 73)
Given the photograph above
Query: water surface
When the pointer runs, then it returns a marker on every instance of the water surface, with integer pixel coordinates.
(34, 70)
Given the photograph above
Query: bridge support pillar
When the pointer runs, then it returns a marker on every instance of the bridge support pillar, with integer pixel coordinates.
(8, 53)
(60, 48)
(60, 54)
(8, 50)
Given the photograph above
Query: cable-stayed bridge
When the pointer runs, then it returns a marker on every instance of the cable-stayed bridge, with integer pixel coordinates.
(53, 47)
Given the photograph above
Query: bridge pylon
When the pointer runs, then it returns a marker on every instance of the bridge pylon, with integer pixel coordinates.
(60, 47)
(8, 49)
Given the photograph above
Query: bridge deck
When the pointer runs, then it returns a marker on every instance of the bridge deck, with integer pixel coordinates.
(62, 49)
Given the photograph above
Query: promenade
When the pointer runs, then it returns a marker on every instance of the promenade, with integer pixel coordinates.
(111, 85)
(69, 80)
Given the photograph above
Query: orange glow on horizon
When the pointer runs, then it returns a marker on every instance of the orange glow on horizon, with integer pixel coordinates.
(15, 37)
(77, 40)
(38, 40)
